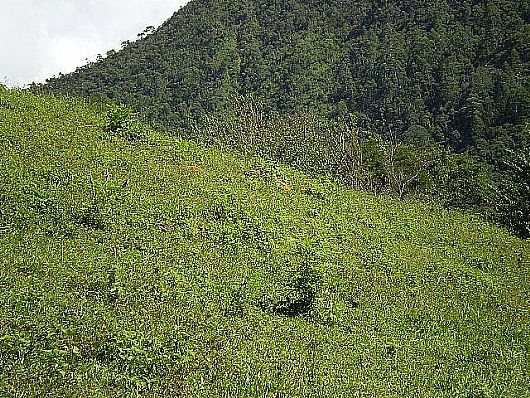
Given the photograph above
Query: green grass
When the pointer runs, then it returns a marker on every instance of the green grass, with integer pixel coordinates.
(157, 267)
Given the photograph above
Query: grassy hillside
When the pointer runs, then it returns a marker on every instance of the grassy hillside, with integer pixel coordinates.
(150, 266)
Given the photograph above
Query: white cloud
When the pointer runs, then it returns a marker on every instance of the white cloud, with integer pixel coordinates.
(41, 38)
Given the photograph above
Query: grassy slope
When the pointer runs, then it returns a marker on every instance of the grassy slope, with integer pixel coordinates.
(137, 268)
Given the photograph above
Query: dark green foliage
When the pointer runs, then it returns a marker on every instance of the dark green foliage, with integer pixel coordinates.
(462, 182)
(300, 298)
(91, 217)
(452, 72)
(123, 122)
(513, 197)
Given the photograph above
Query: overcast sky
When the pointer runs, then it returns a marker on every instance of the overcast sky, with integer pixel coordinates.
(40, 38)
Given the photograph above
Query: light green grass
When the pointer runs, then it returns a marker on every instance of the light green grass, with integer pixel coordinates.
(141, 269)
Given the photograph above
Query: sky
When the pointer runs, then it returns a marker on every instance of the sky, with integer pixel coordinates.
(40, 38)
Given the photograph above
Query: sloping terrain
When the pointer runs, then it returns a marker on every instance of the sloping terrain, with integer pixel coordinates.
(133, 264)
(439, 77)
(454, 72)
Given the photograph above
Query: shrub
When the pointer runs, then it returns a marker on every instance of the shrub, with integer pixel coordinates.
(461, 182)
(97, 210)
(92, 217)
(513, 195)
(301, 294)
(237, 301)
(117, 117)
(123, 122)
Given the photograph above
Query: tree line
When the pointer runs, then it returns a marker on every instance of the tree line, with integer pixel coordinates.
(454, 75)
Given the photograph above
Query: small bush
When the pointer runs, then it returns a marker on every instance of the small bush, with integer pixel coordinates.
(117, 117)
(512, 200)
(300, 298)
(237, 301)
(92, 217)
(123, 122)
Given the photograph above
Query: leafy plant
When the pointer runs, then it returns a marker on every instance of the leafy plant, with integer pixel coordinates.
(301, 294)
(122, 121)
(92, 216)
(513, 195)
(236, 305)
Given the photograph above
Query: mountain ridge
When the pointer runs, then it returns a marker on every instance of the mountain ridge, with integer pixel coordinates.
(448, 72)
(423, 77)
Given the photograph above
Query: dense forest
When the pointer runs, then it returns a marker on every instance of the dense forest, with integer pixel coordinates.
(451, 74)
